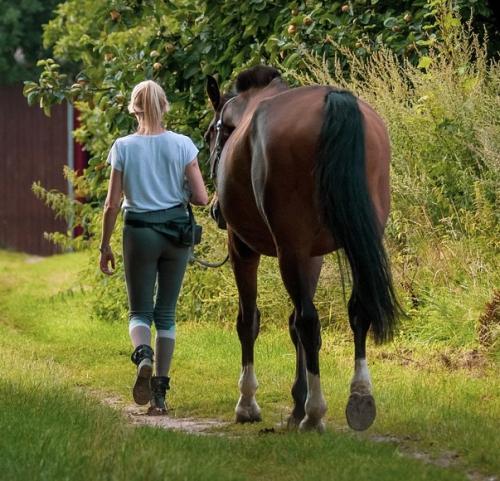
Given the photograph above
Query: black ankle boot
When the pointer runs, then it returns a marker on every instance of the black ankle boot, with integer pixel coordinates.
(159, 387)
(142, 357)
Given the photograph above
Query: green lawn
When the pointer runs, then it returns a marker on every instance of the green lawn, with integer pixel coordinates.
(57, 362)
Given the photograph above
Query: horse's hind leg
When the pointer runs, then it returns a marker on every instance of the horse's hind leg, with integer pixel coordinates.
(295, 272)
(299, 388)
(360, 410)
(245, 263)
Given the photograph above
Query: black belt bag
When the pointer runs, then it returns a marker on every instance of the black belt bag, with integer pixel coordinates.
(171, 222)
(192, 235)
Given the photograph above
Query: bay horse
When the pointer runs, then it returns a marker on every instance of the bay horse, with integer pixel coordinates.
(300, 173)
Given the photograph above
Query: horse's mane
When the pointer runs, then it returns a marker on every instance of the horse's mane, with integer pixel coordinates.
(255, 77)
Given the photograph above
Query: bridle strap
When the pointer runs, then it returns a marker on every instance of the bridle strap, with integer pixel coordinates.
(217, 150)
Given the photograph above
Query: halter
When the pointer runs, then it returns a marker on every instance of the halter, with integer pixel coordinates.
(215, 155)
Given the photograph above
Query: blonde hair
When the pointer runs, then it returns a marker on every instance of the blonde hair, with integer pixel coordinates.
(148, 102)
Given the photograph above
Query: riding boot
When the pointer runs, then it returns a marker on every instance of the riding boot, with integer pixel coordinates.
(142, 357)
(159, 387)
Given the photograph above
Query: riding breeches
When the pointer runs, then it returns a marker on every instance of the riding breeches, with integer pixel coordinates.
(153, 259)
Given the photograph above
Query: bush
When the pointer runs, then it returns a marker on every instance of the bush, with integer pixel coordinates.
(441, 107)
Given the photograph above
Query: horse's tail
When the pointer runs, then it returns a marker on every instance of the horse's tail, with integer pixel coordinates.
(349, 213)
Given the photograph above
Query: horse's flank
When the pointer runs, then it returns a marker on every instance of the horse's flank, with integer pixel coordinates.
(275, 146)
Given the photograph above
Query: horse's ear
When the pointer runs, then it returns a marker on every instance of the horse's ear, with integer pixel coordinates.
(213, 91)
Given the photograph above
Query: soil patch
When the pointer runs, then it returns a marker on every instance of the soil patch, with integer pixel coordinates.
(444, 459)
(166, 421)
(138, 416)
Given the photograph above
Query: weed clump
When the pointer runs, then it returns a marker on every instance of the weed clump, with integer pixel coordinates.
(488, 329)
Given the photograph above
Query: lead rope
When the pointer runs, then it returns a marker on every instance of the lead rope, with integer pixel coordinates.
(204, 263)
(192, 256)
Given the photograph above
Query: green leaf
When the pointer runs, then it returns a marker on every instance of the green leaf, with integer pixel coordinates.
(389, 22)
(291, 60)
(424, 62)
(32, 97)
(190, 71)
(46, 110)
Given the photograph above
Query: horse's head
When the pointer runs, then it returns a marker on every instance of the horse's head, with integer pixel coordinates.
(229, 108)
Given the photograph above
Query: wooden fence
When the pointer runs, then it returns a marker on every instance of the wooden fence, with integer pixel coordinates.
(33, 148)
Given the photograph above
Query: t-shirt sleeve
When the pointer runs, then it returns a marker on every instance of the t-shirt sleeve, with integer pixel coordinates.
(114, 158)
(189, 151)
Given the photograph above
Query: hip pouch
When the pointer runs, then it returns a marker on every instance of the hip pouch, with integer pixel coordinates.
(177, 223)
(190, 234)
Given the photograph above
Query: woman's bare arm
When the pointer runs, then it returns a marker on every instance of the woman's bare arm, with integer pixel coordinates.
(199, 194)
(111, 210)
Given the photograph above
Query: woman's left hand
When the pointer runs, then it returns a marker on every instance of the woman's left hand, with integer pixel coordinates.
(105, 259)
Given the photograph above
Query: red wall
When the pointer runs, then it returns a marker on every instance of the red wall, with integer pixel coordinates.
(32, 148)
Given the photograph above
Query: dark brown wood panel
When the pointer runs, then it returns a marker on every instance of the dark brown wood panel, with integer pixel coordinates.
(32, 147)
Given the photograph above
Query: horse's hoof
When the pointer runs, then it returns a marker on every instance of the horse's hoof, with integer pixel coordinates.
(248, 414)
(308, 425)
(293, 423)
(154, 411)
(247, 411)
(360, 411)
(246, 417)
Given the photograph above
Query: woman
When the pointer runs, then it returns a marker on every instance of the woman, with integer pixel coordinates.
(151, 168)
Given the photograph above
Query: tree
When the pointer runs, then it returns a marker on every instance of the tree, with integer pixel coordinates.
(21, 37)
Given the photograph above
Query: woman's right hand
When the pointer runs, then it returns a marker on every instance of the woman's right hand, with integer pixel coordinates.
(105, 259)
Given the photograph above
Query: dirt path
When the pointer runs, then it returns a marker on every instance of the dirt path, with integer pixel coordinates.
(138, 416)
(187, 425)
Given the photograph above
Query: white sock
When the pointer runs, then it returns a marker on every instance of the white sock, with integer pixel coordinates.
(140, 333)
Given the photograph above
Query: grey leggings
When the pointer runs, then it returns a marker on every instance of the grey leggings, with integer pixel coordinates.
(150, 256)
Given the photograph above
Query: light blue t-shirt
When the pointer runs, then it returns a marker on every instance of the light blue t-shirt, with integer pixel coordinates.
(153, 169)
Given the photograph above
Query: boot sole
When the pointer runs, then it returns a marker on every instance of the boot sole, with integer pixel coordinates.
(142, 387)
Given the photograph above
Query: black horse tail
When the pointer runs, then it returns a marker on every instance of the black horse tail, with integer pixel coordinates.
(349, 213)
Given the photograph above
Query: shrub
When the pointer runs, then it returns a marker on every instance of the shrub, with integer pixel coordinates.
(442, 111)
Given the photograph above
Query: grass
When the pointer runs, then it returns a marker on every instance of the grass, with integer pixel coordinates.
(67, 436)
(57, 362)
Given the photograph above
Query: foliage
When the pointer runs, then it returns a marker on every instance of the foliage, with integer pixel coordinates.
(120, 43)
(442, 112)
(21, 37)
